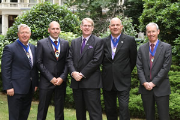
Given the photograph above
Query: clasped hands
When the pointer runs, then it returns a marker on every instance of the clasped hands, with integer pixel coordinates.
(56, 81)
(149, 85)
(77, 76)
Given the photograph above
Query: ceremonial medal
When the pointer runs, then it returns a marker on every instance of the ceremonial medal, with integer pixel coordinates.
(152, 59)
(27, 53)
(114, 49)
(57, 54)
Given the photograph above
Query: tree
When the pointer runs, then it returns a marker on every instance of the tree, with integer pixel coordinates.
(101, 11)
(133, 9)
(39, 17)
(166, 14)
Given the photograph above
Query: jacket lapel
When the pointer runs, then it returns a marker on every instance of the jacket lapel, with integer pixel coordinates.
(158, 51)
(146, 50)
(33, 54)
(120, 43)
(50, 47)
(21, 51)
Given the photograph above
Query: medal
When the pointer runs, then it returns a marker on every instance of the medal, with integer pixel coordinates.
(152, 59)
(57, 54)
(114, 49)
(27, 53)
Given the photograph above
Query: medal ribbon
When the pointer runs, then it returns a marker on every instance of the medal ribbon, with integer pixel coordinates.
(26, 48)
(115, 43)
(154, 51)
(56, 46)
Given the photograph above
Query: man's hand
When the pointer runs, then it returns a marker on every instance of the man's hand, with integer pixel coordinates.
(54, 81)
(147, 86)
(77, 76)
(10, 92)
(35, 89)
(60, 81)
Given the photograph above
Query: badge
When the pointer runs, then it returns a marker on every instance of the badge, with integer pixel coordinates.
(114, 49)
(152, 59)
(27, 53)
(57, 54)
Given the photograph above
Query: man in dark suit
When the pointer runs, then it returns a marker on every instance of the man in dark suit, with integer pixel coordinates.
(84, 59)
(19, 74)
(119, 60)
(153, 65)
(52, 54)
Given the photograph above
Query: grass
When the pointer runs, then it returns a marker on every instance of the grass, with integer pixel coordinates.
(69, 114)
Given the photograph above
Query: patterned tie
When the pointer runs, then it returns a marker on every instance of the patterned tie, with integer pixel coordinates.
(83, 44)
(29, 57)
(55, 42)
(151, 57)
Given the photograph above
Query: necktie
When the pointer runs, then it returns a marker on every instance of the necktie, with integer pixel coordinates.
(83, 44)
(151, 58)
(29, 57)
(55, 42)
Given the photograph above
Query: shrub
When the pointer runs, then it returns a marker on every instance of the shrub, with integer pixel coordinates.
(39, 17)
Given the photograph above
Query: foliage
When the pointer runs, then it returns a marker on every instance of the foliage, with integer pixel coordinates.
(39, 17)
(131, 7)
(166, 14)
(176, 51)
(99, 10)
(128, 27)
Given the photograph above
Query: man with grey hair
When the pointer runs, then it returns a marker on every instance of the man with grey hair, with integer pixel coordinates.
(153, 65)
(19, 74)
(84, 61)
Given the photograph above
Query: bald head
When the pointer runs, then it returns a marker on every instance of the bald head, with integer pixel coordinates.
(115, 27)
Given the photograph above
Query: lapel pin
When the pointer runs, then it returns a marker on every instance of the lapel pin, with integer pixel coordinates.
(121, 41)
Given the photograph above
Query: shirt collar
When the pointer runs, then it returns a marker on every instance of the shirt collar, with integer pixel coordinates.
(53, 39)
(87, 38)
(116, 38)
(153, 43)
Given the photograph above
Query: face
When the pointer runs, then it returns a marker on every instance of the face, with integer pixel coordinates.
(86, 28)
(115, 27)
(152, 33)
(24, 35)
(54, 30)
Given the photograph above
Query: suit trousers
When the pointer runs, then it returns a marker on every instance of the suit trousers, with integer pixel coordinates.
(87, 99)
(19, 106)
(110, 99)
(45, 96)
(162, 102)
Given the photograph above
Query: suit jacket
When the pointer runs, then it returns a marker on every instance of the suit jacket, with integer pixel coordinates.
(47, 63)
(160, 68)
(117, 71)
(87, 63)
(16, 70)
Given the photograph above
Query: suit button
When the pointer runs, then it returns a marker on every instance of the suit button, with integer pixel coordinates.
(30, 78)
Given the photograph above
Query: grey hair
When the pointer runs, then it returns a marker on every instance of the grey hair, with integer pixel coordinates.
(24, 26)
(116, 18)
(89, 20)
(151, 24)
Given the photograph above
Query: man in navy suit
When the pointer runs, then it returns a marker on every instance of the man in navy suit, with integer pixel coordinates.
(84, 59)
(19, 74)
(119, 60)
(153, 64)
(52, 55)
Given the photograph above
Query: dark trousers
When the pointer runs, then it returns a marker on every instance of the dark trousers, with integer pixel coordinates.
(90, 99)
(19, 106)
(110, 99)
(162, 102)
(45, 96)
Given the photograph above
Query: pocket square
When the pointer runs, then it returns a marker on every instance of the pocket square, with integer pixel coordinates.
(90, 47)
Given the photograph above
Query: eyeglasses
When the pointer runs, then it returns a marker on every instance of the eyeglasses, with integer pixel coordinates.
(87, 25)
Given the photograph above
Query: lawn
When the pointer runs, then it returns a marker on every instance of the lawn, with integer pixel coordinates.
(68, 113)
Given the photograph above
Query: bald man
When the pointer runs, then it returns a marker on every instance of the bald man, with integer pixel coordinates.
(52, 53)
(118, 62)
